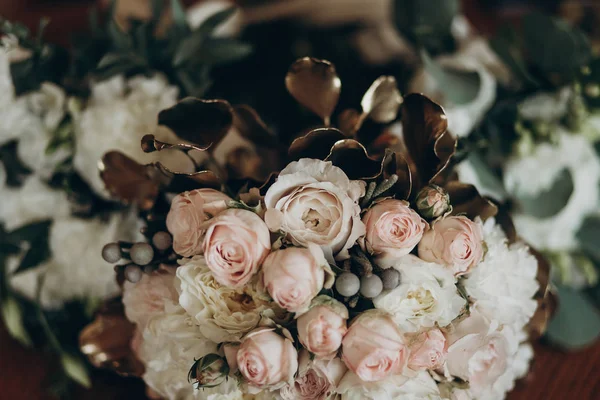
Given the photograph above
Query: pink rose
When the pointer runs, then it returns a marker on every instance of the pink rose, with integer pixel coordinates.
(374, 347)
(316, 379)
(428, 350)
(265, 358)
(235, 245)
(393, 230)
(146, 298)
(456, 242)
(294, 276)
(478, 354)
(322, 328)
(189, 211)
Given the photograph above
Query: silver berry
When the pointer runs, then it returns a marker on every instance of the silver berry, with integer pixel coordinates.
(347, 284)
(141, 253)
(370, 286)
(111, 252)
(162, 240)
(390, 278)
(133, 273)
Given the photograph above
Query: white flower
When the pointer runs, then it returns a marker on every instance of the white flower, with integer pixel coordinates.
(419, 387)
(546, 107)
(48, 102)
(517, 367)
(502, 286)
(118, 115)
(75, 270)
(316, 379)
(426, 297)
(533, 174)
(223, 314)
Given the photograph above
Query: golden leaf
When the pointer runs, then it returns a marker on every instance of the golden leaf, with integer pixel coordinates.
(382, 100)
(465, 199)
(317, 144)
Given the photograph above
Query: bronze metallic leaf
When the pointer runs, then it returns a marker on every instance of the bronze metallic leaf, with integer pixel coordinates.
(189, 181)
(465, 199)
(349, 121)
(151, 144)
(106, 341)
(382, 100)
(547, 300)
(395, 163)
(204, 122)
(353, 159)
(252, 127)
(315, 144)
(315, 85)
(128, 180)
(429, 145)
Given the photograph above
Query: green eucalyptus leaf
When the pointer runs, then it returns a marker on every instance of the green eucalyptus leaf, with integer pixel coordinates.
(12, 316)
(460, 87)
(216, 51)
(16, 171)
(555, 46)
(76, 369)
(588, 236)
(506, 45)
(178, 13)
(489, 181)
(29, 232)
(550, 202)
(37, 254)
(577, 321)
(590, 83)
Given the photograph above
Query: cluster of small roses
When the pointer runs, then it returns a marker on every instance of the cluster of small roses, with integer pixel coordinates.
(258, 280)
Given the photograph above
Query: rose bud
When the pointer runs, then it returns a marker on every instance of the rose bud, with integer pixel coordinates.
(322, 328)
(189, 211)
(427, 350)
(374, 347)
(393, 230)
(210, 370)
(235, 245)
(294, 276)
(266, 358)
(433, 201)
(456, 242)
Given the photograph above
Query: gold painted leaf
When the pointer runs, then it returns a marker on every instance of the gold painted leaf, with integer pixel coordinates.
(353, 159)
(465, 199)
(252, 127)
(382, 100)
(317, 144)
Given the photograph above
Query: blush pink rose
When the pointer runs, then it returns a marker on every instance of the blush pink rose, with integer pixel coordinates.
(146, 298)
(428, 350)
(235, 245)
(189, 211)
(374, 347)
(393, 230)
(456, 242)
(322, 328)
(266, 358)
(294, 276)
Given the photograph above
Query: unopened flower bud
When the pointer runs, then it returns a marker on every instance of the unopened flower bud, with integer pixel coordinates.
(210, 370)
(433, 201)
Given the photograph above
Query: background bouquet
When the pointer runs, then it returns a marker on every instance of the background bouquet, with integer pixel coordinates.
(362, 269)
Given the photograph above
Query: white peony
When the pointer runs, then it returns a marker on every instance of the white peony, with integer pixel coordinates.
(119, 113)
(517, 368)
(502, 286)
(522, 177)
(222, 314)
(75, 270)
(426, 297)
(351, 387)
(546, 106)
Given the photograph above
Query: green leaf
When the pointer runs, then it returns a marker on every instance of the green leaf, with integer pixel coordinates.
(212, 22)
(178, 14)
(425, 21)
(12, 315)
(460, 87)
(215, 51)
(75, 368)
(506, 45)
(555, 46)
(551, 201)
(36, 234)
(119, 39)
(577, 321)
(30, 231)
(489, 181)
(588, 235)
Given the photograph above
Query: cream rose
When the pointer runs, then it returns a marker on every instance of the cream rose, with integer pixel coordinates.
(266, 359)
(456, 242)
(315, 202)
(235, 245)
(316, 379)
(294, 276)
(189, 211)
(374, 347)
(393, 230)
(427, 350)
(322, 328)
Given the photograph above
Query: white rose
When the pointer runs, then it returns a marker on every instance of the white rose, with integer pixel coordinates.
(315, 202)
(420, 387)
(502, 286)
(426, 297)
(223, 314)
(545, 106)
(118, 115)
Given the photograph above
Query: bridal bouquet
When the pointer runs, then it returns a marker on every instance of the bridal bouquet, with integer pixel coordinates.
(61, 111)
(360, 270)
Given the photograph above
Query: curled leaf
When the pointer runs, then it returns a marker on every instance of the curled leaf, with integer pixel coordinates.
(349, 121)
(151, 144)
(128, 180)
(189, 181)
(465, 199)
(395, 163)
(252, 127)
(353, 159)
(429, 146)
(382, 100)
(204, 122)
(315, 85)
(315, 144)
(107, 341)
